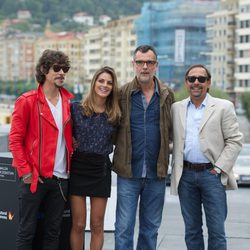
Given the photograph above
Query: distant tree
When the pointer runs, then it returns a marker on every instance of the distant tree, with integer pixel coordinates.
(182, 93)
(23, 26)
(218, 93)
(69, 25)
(245, 100)
(34, 6)
(9, 8)
(58, 10)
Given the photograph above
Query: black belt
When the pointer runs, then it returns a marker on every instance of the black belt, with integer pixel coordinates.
(53, 177)
(197, 166)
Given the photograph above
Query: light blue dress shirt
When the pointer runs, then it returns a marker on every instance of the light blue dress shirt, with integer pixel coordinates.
(192, 149)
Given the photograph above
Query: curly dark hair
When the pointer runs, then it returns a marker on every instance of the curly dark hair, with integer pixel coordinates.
(49, 58)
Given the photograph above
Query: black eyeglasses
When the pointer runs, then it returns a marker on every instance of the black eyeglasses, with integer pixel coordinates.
(57, 68)
(192, 79)
(148, 63)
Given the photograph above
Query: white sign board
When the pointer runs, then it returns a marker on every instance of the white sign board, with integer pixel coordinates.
(179, 46)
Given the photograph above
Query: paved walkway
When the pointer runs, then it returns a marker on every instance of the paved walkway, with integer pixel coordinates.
(244, 128)
(171, 233)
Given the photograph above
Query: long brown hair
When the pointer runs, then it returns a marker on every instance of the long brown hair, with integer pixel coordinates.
(112, 105)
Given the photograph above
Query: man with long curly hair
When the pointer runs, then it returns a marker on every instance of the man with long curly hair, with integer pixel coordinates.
(41, 144)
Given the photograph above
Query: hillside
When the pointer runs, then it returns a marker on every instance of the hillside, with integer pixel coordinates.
(59, 12)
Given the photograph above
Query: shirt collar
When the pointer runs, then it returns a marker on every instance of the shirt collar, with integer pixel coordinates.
(139, 89)
(203, 104)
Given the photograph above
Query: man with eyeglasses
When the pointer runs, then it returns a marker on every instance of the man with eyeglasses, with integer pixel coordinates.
(41, 145)
(206, 143)
(141, 153)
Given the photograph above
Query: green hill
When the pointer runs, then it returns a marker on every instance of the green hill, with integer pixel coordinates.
(59, 12)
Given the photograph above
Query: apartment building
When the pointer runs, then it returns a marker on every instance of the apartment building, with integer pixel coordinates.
(242, 47)
(221, 38)
(111, 44)
(92, 52)
(228, 32)
(17, 56)
(19, 53)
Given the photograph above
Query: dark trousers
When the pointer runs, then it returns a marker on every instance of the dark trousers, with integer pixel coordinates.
(49, 194)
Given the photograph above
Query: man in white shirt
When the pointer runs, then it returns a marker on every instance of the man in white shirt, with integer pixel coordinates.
(206, 143)
(41, 144)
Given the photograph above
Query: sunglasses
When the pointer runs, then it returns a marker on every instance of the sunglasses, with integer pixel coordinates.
(57, 68)
(192, 79)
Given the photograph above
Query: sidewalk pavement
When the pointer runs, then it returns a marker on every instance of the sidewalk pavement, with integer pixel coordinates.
(171, 233)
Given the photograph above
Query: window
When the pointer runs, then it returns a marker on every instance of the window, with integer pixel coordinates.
(246, 83)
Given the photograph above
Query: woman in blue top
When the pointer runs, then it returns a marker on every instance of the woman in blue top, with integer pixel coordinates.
(94, 122)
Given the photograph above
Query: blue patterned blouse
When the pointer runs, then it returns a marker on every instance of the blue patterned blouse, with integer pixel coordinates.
(93, 134)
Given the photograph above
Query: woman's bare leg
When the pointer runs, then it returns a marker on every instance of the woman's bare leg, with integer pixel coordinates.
(98, 207)
(78, 211)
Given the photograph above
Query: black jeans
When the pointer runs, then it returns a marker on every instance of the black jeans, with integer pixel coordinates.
(50, 195)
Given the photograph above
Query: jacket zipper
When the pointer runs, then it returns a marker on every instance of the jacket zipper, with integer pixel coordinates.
(66, 144)
(40, 141)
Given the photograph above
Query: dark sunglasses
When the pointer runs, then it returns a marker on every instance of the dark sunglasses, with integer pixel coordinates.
(57, 68)
(192, 79)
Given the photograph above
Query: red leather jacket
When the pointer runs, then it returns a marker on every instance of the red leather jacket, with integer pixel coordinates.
(33, 134)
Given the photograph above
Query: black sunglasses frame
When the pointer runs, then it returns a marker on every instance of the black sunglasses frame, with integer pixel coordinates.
(57, 68)
(201, 79)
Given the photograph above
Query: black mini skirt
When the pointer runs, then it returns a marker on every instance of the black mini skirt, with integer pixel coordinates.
(90, 175)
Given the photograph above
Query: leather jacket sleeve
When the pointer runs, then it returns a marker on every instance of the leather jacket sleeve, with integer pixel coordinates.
(19, 129)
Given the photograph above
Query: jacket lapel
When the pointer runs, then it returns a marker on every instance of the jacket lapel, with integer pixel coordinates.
(210, 108)
(183, 113)
(45, 109)
(46, 114)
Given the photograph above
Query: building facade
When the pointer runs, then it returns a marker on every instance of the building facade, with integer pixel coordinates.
(17, 56)
(242, 48)
(177, 30)
(113, 45)
(221, 38)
